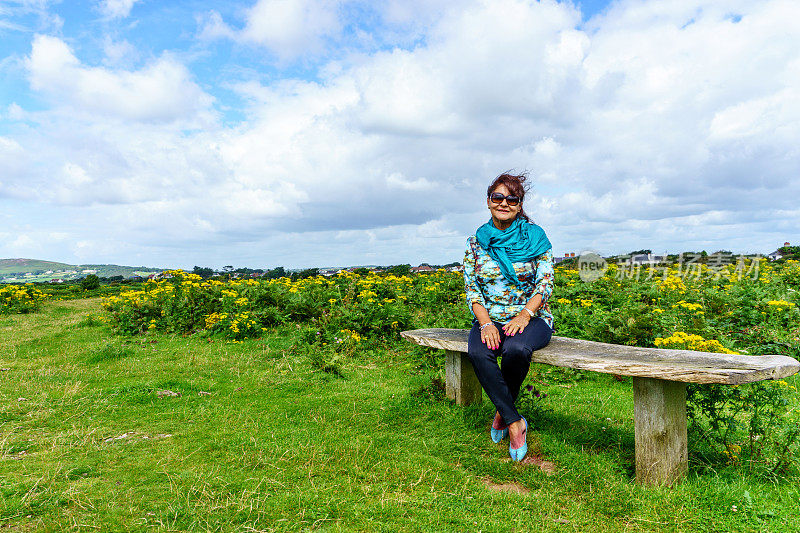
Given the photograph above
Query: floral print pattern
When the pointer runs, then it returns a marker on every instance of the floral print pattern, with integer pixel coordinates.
(485, 284)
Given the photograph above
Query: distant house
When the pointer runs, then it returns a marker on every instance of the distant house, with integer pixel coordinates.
(456, 268)
(645, 259)
(422, 268)
(777, 254)
(568, 255)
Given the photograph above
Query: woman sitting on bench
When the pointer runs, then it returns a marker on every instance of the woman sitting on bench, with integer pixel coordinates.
(508, 277)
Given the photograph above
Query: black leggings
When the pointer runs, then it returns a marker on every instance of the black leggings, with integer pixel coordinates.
(502, 385)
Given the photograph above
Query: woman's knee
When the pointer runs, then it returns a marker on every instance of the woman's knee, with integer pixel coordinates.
(516, 348)
(536, 335)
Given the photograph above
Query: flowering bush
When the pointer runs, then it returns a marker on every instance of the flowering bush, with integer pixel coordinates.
(371, 305)
(740, 309)
(20, 298)
(725, 312)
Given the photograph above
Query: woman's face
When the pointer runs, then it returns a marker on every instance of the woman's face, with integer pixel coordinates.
(502, 212)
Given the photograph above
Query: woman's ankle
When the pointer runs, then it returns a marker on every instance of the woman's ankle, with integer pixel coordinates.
(517, 432)
(498, 422)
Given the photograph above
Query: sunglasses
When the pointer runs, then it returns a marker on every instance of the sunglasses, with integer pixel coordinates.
(498, 198)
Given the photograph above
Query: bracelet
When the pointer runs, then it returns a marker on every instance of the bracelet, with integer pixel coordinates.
(485, 325)
(529, 312)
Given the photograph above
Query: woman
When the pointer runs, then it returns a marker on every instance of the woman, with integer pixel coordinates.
(508, 277)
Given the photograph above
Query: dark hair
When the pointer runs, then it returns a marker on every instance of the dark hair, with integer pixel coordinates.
(516, 186)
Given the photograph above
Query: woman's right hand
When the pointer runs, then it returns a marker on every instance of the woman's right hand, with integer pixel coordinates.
(490, 336)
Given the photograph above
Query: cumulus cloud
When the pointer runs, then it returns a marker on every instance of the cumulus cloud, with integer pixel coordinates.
(163, 91)
(291, 27)
(288, 28)
(655, 125)
(328, 29)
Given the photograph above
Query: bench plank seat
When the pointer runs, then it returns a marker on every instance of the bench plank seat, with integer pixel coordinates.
(659, 386)
(672, 365)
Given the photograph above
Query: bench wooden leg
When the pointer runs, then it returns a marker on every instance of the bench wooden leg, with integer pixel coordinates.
(660, 428)
(460, 380)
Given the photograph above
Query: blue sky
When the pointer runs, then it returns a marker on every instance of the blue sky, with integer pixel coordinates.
(334, 132)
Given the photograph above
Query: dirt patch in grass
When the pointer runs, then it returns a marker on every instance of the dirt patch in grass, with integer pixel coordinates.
(545, 466)
(504, 487)
(533, 459)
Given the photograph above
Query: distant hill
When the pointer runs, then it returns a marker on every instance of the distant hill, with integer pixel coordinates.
(32, 270)
(12, 266)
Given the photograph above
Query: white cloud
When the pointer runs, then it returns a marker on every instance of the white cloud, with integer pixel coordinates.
(75, 176)
(9, 147)
(8, 25)
(119, 53)
(115, 9)
(29, 15)
(160, 92)
(395, 179)
(291, 27)
(213, 27)
(23, 242)
(288, 28)
(15, 112)
(330, 29)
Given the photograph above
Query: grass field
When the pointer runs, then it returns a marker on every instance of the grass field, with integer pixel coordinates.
(257, 440)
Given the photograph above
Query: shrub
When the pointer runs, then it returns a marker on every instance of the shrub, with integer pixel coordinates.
(20, 298)
(90, 282)
(749, 423)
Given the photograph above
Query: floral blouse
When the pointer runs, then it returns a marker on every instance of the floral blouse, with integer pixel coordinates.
(486, 285)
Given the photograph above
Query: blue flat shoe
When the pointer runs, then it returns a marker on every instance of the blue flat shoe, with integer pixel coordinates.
(518, 454)
(499, 434)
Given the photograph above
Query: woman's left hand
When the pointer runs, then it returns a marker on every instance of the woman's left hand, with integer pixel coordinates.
(516, 324)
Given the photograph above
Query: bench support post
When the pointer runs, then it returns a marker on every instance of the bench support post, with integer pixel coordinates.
(461, 383)
(660, 430)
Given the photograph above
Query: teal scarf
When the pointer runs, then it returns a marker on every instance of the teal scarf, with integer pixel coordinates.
(521, 241)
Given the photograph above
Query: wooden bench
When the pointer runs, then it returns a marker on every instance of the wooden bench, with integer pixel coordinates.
(659, 386)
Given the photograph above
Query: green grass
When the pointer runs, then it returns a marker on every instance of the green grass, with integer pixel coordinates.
(259, 441)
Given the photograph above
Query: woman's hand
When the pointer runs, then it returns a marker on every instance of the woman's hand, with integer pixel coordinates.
(517, 324)
(490, 336)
